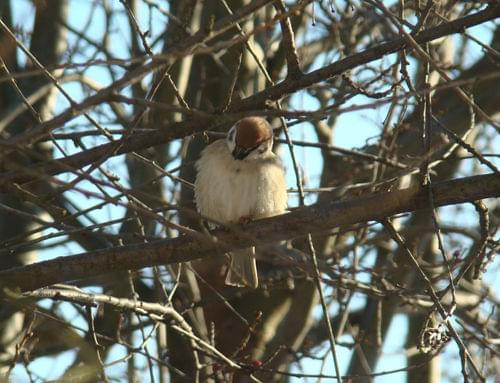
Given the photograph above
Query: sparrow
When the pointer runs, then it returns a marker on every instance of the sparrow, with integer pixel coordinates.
(239, 179)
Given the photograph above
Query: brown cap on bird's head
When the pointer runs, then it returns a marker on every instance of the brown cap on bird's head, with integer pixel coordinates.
(252, 131)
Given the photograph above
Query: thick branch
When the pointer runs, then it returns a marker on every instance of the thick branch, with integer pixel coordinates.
(371, 54)
(316, 218)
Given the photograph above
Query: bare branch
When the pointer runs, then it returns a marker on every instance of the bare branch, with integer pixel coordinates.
(316, 218)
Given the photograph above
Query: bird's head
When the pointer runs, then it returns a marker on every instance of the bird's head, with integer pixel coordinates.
(250, 138)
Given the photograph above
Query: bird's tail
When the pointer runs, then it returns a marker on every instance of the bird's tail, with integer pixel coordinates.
(243, 269)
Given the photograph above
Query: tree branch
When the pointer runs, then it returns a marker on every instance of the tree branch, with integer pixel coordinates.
(169, 131)
(315, 218)
(368, 55)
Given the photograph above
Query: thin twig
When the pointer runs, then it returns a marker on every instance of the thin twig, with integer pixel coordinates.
(445, 315)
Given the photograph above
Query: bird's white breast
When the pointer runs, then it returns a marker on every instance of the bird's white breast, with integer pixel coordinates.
(227, 190)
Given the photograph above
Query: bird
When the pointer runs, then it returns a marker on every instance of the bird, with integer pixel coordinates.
(240, 179)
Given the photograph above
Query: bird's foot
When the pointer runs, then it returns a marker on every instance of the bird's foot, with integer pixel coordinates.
(245, 219)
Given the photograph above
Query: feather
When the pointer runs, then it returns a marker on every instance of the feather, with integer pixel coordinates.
(242, 271)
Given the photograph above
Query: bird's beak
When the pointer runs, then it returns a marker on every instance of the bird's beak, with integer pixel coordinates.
(240, 153)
